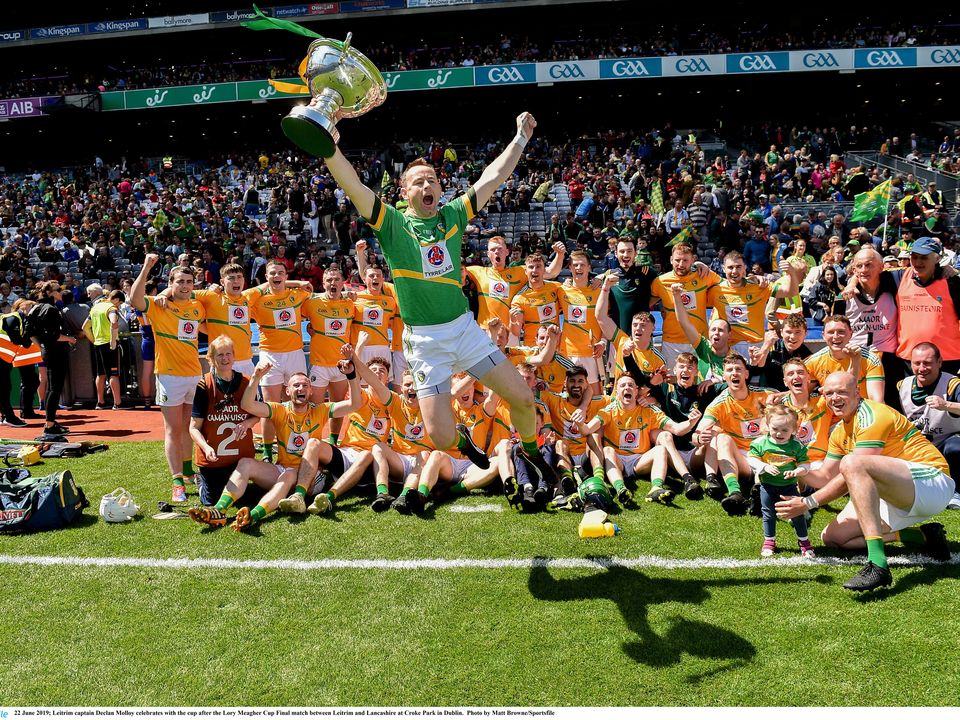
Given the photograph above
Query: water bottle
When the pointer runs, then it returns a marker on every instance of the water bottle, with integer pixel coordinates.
(597, 530)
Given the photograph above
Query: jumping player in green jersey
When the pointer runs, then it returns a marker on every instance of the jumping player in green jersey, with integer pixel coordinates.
(422, 247)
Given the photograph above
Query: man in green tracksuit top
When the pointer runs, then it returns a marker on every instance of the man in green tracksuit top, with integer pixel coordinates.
(422, 247)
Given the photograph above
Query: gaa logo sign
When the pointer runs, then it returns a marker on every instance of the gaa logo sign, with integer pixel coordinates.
(692, 65)
(566, 71)
(945, 56)
(820, 60)
(753, 427)
(336, 325)
(757, 63)
(504, 75)
(285, 315)
(883, 58)
(629, 68)
(435, 256)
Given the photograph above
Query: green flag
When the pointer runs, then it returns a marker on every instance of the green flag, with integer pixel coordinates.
(268, 23)
(756, 216)
(656, 199)
(930, 222)
(685, 235)
(868, 205)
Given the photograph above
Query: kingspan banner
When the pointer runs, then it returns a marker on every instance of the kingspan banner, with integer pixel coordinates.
(548, 73)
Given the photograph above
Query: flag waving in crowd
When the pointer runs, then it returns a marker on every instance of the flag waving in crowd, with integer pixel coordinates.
(868, 205)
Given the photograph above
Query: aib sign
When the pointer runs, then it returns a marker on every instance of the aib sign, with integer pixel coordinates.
(739, 63)
(20, 107)
(885, 58)
(506, 74)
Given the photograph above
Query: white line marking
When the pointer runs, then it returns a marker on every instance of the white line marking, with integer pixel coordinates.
(489, 507)
(642, 561)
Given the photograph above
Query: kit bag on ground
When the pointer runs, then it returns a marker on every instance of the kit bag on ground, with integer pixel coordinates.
(30, 504)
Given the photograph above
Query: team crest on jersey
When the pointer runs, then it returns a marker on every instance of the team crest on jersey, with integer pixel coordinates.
(436, 256)
(421, 376)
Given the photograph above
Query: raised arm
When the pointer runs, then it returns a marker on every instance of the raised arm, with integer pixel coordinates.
(348, 366)
(692, 334)
(607, 326)
(370, 378)
(343, 172)
(249, 402)
(546, 353)
(497, 172)
(137, 299)
(556, 265)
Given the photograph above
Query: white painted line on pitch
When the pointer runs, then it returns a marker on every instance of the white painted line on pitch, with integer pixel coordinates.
(641, 562)
(489, 507)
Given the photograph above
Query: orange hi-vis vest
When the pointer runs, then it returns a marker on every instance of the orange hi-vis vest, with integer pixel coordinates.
(15, 354)
(927, 314)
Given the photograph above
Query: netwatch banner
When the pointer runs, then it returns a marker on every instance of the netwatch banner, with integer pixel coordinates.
(569, 71)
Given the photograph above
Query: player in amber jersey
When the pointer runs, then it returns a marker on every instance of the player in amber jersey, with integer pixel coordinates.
(571, 448)
(896, 479)
(551, 366)
(364, 429)
(452, 466)
(694, 298)
(496, 285)
(816, 418)
(536, 303)
(403, 460)
(221, 431)
(329, 317)
(742, 303)
(840, 355)
(176, 327)
(276, 308)
(582, 338)
(730, 424)
(377, 315)
(299, 424)
(227, 314)
(628, 433)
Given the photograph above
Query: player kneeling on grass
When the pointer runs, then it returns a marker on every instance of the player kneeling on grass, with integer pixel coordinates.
(404, 460)
(299, 425)
(365, 428)
(221, 431)
(778, 458)
(629, 448)
(452, 466)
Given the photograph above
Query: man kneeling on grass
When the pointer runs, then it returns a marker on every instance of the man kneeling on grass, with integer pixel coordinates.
(299, 425)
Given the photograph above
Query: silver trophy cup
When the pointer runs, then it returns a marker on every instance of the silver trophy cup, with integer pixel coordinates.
(346, 83)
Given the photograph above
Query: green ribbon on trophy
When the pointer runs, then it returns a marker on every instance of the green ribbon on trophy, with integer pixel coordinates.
(343, 80)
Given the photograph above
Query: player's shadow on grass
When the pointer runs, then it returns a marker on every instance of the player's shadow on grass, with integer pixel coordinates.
(634, 593)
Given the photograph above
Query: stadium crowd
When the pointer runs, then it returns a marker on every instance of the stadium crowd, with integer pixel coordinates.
(640, 41)
(576, 247)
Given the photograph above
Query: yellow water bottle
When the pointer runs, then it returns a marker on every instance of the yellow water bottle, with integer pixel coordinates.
(597, 530)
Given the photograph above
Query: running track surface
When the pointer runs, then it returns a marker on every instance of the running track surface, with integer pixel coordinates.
(100, 425)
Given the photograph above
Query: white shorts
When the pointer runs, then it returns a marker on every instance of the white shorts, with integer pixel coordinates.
(590, 365)
(670, 351)
(285, 366)
(932, 491)
(435, 352)
(408, 462)
(320, 377)
(244, 367)
(174, 390)
(460, 468)
(742, 349)
(398, 366)
(350, 456)
(630, 464)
